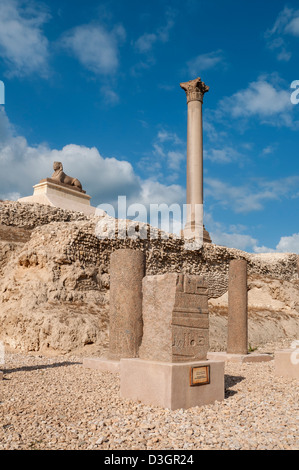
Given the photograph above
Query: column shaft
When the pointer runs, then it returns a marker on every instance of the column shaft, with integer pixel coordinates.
(237, 338)
(194, 228)
(194, 160)
(127, 269)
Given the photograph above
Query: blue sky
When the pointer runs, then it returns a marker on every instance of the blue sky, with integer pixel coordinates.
(95, 85)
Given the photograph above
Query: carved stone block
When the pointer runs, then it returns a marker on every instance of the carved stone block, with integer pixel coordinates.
(175, 318)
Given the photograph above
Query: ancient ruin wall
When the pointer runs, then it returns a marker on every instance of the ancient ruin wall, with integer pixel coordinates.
(67, 237)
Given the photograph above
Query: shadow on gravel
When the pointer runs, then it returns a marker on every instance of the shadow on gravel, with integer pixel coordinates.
(43, 366)
(230, 381)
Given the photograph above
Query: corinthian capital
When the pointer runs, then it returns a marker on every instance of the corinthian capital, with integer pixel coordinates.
(195, 89)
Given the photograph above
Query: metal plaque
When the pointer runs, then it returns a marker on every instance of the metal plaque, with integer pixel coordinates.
(199, 375)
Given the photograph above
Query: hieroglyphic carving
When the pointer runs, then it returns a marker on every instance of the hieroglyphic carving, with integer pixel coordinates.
(175, 318)
(190, 319)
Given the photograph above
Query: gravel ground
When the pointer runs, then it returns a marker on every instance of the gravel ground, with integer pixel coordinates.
(56, 404)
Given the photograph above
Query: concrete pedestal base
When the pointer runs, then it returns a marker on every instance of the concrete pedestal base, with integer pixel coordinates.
(60, 195)
(286, 363)
(240, 358)
(102, 364)
(168, 384)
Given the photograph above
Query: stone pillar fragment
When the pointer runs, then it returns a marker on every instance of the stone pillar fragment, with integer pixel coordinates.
(127, 269)
(237, 338)
(175, 316)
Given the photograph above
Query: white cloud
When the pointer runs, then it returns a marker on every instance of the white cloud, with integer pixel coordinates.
(263, 99)
(175, 159)
(235, 236)
(166, 136)
(232, 236)
(280, 23)
(23, 166)
(110, 96)
(269, 149)
(289, 244)
(260, 98)
(253, 195)
(96, 48)
(146, 41)
(223, 155)
(205, 62)
(293, 26)
(153, 192)
(287, 23)
(166, 158)
(233, 240)
(23, 45)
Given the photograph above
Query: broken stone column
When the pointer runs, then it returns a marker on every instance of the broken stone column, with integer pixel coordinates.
(175, 317)
(127, 269)
(237, 338)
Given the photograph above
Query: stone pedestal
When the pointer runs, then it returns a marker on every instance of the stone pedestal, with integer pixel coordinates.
(239, 358)
(286, 363)
(237, 339)
(168, 385)
(64, 196)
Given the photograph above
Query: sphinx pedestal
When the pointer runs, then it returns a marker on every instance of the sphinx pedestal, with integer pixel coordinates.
(64, 196)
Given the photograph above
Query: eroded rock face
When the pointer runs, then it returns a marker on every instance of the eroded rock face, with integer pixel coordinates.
(47, 302)
(54, 283)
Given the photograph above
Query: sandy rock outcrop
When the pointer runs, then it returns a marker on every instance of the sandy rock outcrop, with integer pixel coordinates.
(47, 303)
(273, 312)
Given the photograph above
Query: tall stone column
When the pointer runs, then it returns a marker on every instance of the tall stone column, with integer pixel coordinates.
(195, 89)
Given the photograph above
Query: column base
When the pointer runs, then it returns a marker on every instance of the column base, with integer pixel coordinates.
(168, 384)
(286, 363)
(102, 364)
(190, 232)
(206, 236)
(239, 358)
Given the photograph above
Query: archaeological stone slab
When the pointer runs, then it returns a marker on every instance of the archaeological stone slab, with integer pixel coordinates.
(175, 318)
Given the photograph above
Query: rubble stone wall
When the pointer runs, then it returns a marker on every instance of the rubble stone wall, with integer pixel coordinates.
(69, 237)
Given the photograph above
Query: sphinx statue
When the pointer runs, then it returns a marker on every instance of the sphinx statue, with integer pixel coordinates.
(61, 177)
